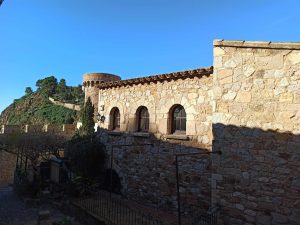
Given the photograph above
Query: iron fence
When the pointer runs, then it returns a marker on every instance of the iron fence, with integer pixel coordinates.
(208, 218)
(113, 211)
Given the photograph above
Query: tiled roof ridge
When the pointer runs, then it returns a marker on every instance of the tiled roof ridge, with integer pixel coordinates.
(199, 72)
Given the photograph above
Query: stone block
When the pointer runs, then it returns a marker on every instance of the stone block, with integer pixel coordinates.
(293, 58)
(279, 218)
(224, 73)
(243, 96)
(217, 177)
(229, 96)
(295, 217)
(286, 97)
(240, 207)
(248, 70)
(250, 212)
(263, 219)
(44, 215)
(296, 183)
(218, 61)
(293, 87)
(283, 82)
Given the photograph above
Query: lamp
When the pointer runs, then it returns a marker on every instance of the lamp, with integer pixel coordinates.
(100, 118)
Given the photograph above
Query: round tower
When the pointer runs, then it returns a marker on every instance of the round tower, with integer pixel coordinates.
(89, 86)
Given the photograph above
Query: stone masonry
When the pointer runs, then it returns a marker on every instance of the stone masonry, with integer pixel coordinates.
(248, 108)
(148, 172)
(193, 93)
(8, 158)
(256, 124)
(7, 167)
(90, 82)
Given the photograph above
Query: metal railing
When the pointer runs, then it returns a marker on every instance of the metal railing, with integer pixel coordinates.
(208, 218)
(113, 211)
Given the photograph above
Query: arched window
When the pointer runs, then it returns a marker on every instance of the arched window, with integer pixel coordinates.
(178, 120)
(143, 119)
(115, 119)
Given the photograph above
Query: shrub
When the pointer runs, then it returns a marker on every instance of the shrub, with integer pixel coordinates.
(87, 156)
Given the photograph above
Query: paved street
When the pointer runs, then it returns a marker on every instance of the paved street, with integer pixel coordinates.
(14, 212)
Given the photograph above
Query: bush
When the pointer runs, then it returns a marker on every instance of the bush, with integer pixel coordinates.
(87, 157)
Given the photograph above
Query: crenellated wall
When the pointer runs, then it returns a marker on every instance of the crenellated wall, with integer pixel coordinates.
(256, 125)
(67, 129)
(90, 86)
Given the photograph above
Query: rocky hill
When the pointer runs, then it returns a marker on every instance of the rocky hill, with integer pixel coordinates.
(36, 108)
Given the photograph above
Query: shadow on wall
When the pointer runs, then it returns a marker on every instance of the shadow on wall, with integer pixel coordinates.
(147, 170)
(7, 167)
(257, 177)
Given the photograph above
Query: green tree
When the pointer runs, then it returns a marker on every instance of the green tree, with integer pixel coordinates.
(47, 85)
(78, 94)
(62, 90)
(28, 91)
(87, 119)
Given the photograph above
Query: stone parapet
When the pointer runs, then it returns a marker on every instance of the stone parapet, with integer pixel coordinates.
(257, 44)
(65, 105)
(67, 129)
(91, 79)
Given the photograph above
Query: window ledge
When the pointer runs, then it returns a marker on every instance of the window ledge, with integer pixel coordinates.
(177, 137)
(140, 134)
(115, 133)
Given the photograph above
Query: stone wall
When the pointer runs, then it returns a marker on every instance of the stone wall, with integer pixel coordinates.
(66, 105)
(64, 129)
(256, 124)
(7, 167)
(194, 94)
(9, 129)
(148, 172)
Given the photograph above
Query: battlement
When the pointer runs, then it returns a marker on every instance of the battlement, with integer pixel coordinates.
(65, 129)
(92, 79)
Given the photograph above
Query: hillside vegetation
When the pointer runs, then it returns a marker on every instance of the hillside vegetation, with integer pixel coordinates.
(35, 108)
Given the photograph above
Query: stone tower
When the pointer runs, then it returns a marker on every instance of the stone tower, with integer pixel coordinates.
(90, 83)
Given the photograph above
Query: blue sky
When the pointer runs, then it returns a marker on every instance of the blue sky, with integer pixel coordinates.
(130, 38)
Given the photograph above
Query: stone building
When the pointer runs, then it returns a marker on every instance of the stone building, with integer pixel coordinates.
(247, 106)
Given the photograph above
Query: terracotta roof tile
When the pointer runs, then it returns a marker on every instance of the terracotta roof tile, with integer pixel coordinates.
(158, 78)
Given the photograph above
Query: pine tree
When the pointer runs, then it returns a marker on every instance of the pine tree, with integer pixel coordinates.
(28, 91)
(87, 119)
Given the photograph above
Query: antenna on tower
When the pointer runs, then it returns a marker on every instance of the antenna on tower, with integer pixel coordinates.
(1, 1)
